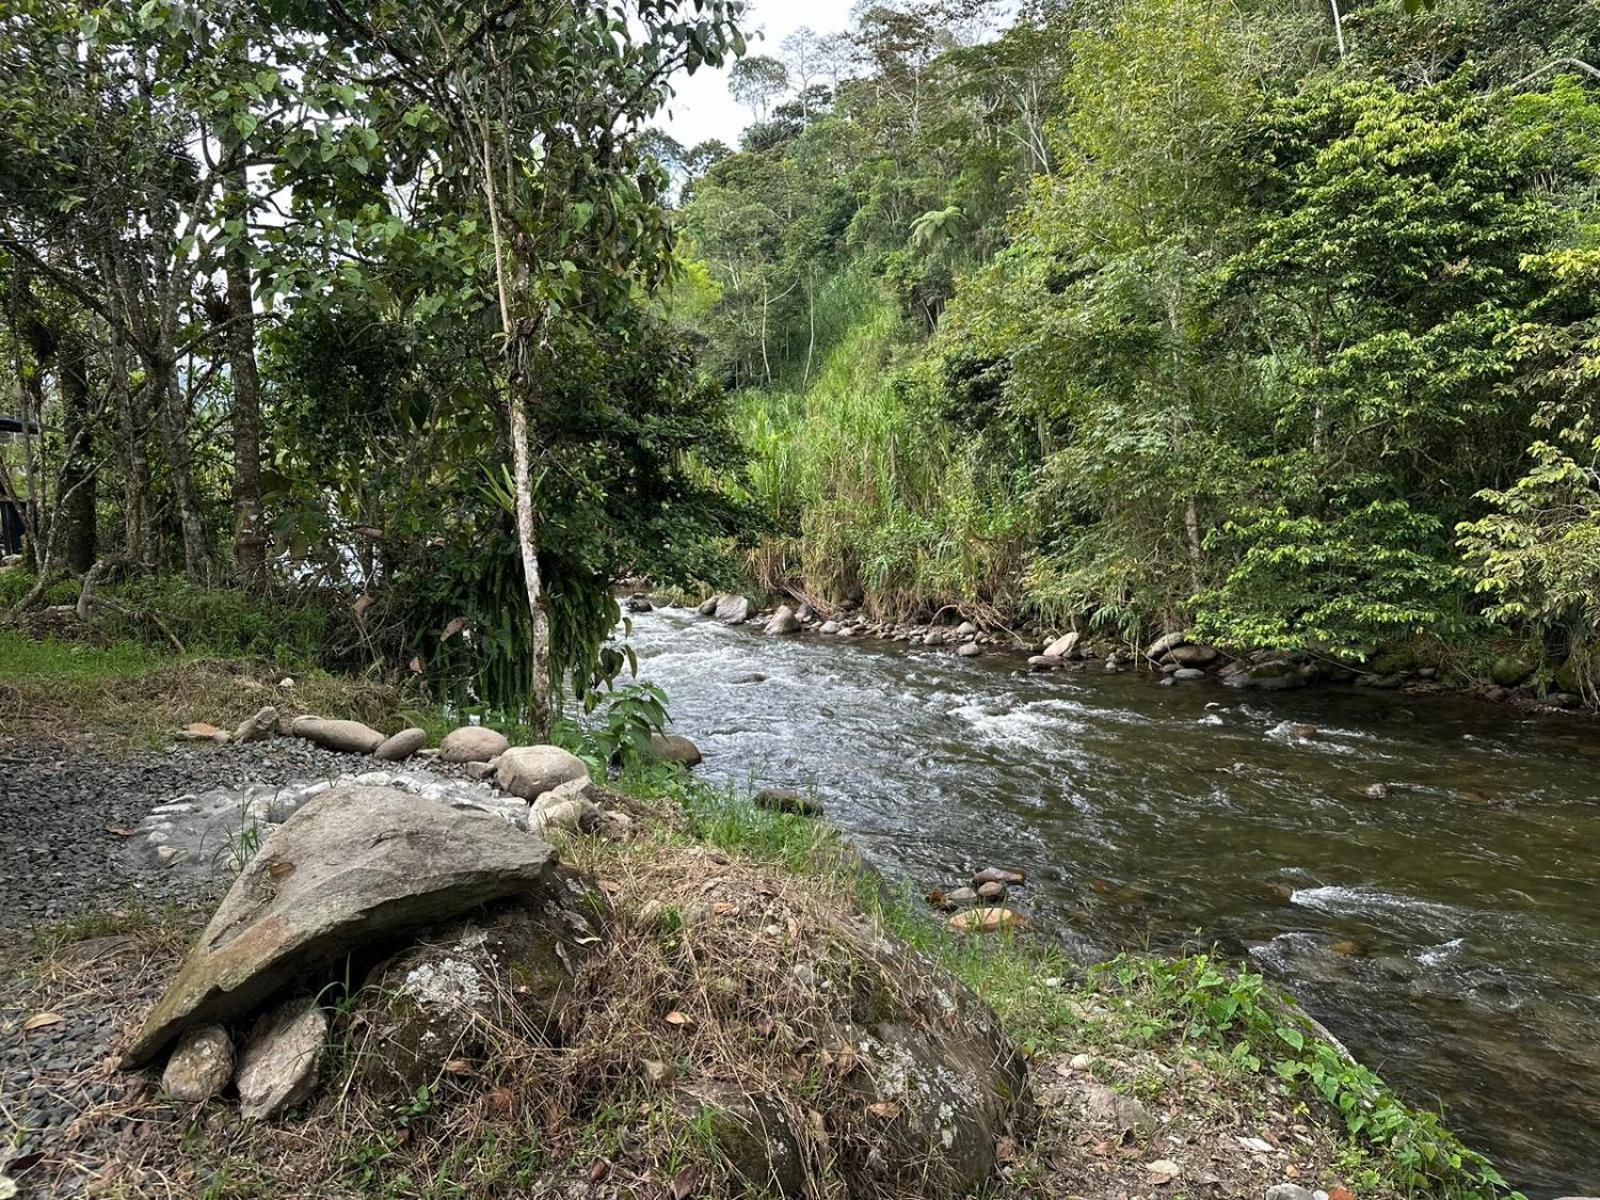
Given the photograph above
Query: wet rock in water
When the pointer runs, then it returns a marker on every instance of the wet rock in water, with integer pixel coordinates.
(472, 743)
(1167, 642)
(1270, 675)
(1009, 876)
(257, 728)
(1194, 655)
(401, 746)
(953, 899)
(1065, 646)
(1376, 791)
(992, 891)
(201, 1065)
(787, 800)
(1115, 1111)
(353, 866)
(1188, 674)
(783, 621)
(707, 608)
(829, 627)
(639, 604)
(987, 920)
(1289, 1191)
(350, 737)
(934, 637)
(674, 748)
(733, 610)
(755, 678)
(278, 1068)
(1046, 662)
(530, 771)
(970, 650)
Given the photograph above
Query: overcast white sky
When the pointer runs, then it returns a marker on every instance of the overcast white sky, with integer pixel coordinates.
(703, 109)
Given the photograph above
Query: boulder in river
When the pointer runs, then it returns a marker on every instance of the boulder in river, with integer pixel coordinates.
(1046, 662)
(707, 608)
(1065, 646)
(969, 650)
(472, 743)
(733, 610)
(352, 867)
(1194, 655)
(1009, 876)
(787, 800)
(350, 737)
(1165, 643)
(529, 772)
(829, 627)
(784, 621)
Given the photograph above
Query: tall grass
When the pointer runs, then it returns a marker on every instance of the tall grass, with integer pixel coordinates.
(872, 488)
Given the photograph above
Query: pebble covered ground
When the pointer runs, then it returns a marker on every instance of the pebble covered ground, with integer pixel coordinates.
(67, 816)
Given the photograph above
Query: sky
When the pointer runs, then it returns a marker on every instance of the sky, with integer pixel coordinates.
(703, 109)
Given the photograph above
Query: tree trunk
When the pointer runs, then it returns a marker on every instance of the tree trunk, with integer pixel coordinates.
(78, 472)
(173, 422)
(527, 539)
(249, 542)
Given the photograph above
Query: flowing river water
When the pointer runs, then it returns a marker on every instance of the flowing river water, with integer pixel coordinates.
(1449, 932)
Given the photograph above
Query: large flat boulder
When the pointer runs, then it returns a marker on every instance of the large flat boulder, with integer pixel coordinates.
(529, 772)
(353, 867)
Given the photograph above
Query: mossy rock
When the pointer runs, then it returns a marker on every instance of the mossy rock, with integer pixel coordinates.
(1510, 670)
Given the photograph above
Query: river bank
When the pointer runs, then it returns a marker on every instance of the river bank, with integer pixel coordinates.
(1139, 1087)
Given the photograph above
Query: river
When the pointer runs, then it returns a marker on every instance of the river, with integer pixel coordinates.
(1449, 932)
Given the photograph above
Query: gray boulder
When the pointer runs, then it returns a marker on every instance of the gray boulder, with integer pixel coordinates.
(351, 737)
(1194, 655)
(529, 772)
(1065, 646)
(784, 621)
(278, 1068)
(787, 800)
(1046, 662)
(402, 745)
(259, 727)
(829, 627)
(733, 610)
(354, 866)
(707, 608)
(969, 650)
(673, 748)
(201, 1065)
(472, 743)
(1165, 643)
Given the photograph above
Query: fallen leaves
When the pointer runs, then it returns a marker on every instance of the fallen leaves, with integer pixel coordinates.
(42, 1020)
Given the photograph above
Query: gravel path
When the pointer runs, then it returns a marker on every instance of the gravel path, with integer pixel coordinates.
(60, 810)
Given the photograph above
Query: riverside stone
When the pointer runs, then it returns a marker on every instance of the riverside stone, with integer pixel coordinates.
(278, 1068)
(472, 743)
(1045, 662)
(674, 748)
(986, 920)
(733, 610)
(787, 800)
(970, 650)
(1165, 643)
(784, 621)
(402, 745)
(354, 866)
(259, 727)
(1065, 646)
(201, 1065)
(531, 771)
(351, 737)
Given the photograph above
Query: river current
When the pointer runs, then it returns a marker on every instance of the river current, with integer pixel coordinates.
(1448, 932)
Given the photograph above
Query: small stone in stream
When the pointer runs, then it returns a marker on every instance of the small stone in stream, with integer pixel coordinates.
(278, 1068)
(829, 627)
(673, 748)
(784, 621)
(787, 800)
(992, 891)
(638, 604)
(401, 746)
(934, 637)
(529, 772)
(707, 607)
(1045, 662)
(1065, 646)
(199, 731)
(351, 737)
(1006, 875)
(1376, 791)
(259, 727)
(201, 1065)
(1188, 674)
(755, 678)
(472, 743)
(986, 920)
(1289, 1191)
(970, 650)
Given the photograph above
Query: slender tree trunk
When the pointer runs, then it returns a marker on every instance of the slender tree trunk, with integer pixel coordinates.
(132, 422)
(78, 472)
(173, 421)
(249, 542)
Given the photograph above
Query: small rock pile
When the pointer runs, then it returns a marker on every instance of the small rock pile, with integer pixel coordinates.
(982, 902)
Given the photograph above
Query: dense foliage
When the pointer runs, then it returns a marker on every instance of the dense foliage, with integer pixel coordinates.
(1166, 313)
(358, 301)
